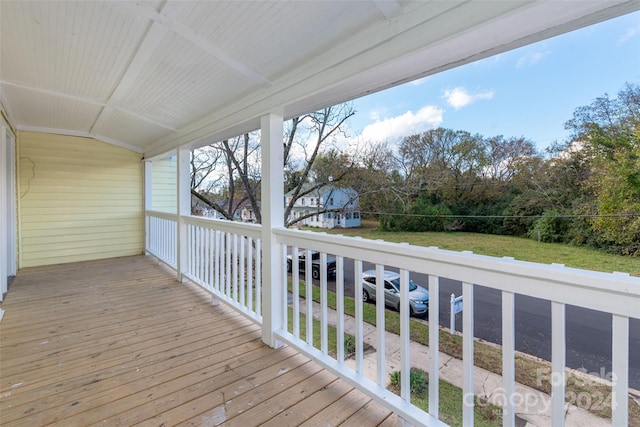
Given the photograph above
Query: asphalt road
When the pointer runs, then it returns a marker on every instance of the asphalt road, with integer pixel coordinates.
(588, 332)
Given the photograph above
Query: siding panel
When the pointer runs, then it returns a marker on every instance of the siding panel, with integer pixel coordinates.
(81, 199)
(164, 192)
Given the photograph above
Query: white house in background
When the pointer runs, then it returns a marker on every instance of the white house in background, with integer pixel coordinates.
(244, 212)
(343, 204)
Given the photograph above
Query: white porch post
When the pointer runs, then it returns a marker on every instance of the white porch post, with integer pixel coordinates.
(183, 208)
(272, 217)
(148, 200)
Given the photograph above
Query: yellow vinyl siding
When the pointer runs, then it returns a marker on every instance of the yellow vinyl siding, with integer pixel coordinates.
(80, 199)
(164, 185)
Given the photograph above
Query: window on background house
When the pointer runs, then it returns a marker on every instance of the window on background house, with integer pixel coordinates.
(356, 215)
(331, 201)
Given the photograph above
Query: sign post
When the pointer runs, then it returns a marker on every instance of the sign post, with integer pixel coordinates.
(456, 307)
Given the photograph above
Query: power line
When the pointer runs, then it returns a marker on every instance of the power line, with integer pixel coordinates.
(621, 215)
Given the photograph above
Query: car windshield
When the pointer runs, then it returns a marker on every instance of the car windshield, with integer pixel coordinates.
(412, 286)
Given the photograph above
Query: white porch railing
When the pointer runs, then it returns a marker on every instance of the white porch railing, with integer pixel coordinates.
(161, 238)
(224, 258)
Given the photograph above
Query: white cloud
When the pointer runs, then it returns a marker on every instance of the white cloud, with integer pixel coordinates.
(631, 33)
(531, 58)
(459, 97)
(427, 117)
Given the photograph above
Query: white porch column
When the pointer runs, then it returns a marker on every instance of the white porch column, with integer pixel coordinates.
(273, 290)
(148, 200)
(183, 208)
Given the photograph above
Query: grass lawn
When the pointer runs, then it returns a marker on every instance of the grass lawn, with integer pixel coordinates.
(449, 402)
(517, 247)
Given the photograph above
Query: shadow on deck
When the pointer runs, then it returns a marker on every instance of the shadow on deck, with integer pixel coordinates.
(121, 342)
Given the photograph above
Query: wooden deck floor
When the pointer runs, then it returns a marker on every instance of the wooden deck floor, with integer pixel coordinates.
(120, 342)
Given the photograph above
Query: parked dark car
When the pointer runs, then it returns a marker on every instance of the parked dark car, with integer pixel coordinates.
(315, 264)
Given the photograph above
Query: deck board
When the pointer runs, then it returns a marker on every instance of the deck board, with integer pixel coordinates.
(121, 342)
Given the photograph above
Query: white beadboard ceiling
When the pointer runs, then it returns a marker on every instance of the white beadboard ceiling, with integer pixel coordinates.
(154, 75)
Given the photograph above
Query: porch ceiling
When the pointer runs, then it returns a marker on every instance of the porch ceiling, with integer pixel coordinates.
(153, 75)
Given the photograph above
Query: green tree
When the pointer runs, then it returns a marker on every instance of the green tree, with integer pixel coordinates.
(607, 132)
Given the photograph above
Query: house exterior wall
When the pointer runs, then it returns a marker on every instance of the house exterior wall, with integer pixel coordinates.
(164, 190)
(80, 199)
(345, 199)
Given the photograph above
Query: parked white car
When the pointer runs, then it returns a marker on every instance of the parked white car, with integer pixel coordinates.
(418, 296)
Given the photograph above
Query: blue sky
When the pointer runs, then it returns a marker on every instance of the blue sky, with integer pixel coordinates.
(530, 92)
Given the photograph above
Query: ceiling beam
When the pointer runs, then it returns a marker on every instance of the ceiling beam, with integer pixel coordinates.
(150, 43)
(85, 100)
(167, 18)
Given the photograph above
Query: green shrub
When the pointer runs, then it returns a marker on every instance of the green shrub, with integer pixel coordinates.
(550, 228)
(418, 380)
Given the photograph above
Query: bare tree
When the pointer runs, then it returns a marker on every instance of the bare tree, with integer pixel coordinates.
(225, 175)
(239, 159)
(321, 127)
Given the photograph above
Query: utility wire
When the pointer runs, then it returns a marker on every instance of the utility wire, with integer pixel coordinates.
(622, 215)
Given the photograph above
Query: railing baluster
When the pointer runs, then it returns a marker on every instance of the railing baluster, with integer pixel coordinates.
(243, 280)
(259, 277)
(467, 354)
(205, 257)
(173, 247)
(285, 278)
(161, 242)
(405, 361)
(190, 250)
(216, 260)
(309, 296)
(434, 345)
(161, 239)
(250, 273)
(196, 252)
(157, 242)
(295, 287)
(620, 368)
(558, 361)
(227, 274)
(234, 265)
(508, 358)
(340, 308)
(357, 280)
(221, 255)
(324, 326)
(198, 272)
(380, 329)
